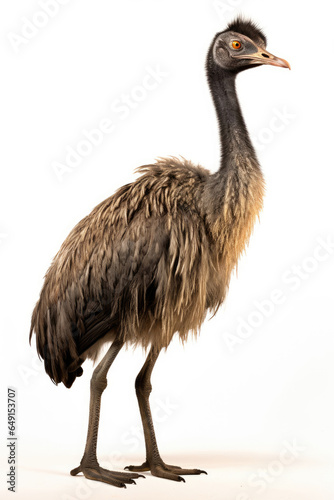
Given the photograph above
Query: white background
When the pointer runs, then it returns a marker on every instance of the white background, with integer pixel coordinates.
(229, 406)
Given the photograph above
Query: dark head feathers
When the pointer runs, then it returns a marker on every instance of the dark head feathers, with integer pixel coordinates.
(248, 28)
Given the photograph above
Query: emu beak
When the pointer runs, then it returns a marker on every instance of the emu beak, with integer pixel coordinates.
(262, 56)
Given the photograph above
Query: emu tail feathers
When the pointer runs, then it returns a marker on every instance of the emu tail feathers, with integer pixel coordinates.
(56, 342)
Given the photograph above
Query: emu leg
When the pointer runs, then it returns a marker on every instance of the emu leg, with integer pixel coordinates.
(153, 461)
(89, 465)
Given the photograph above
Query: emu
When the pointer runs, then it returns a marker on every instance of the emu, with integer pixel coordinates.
(155, 257)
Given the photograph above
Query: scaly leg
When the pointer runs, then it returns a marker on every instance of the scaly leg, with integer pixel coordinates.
(153, 462)
(89, 465)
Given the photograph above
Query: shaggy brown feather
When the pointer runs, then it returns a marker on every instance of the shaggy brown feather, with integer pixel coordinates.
(155, 257)
(144, 264)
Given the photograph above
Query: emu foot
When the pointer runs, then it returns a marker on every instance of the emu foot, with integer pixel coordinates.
(160, 469)
(97, 473)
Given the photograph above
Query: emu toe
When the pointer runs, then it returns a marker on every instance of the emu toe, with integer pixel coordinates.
(165, 471)
(97, 473)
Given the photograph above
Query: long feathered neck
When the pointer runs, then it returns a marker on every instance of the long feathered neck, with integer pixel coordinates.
(234, 138)
(232, 197)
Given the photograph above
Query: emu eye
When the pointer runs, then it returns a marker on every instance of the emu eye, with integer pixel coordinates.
(236, 45)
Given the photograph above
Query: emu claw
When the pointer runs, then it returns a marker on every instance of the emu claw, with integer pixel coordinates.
(165, 471)
(97, 473)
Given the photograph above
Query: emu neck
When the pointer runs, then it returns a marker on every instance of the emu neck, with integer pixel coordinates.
(232, 197)
(234, 139)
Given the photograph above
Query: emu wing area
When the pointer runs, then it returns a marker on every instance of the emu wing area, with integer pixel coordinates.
(142, 265)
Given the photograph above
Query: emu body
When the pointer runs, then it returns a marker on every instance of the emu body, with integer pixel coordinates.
(154, 258)
(141, 266)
